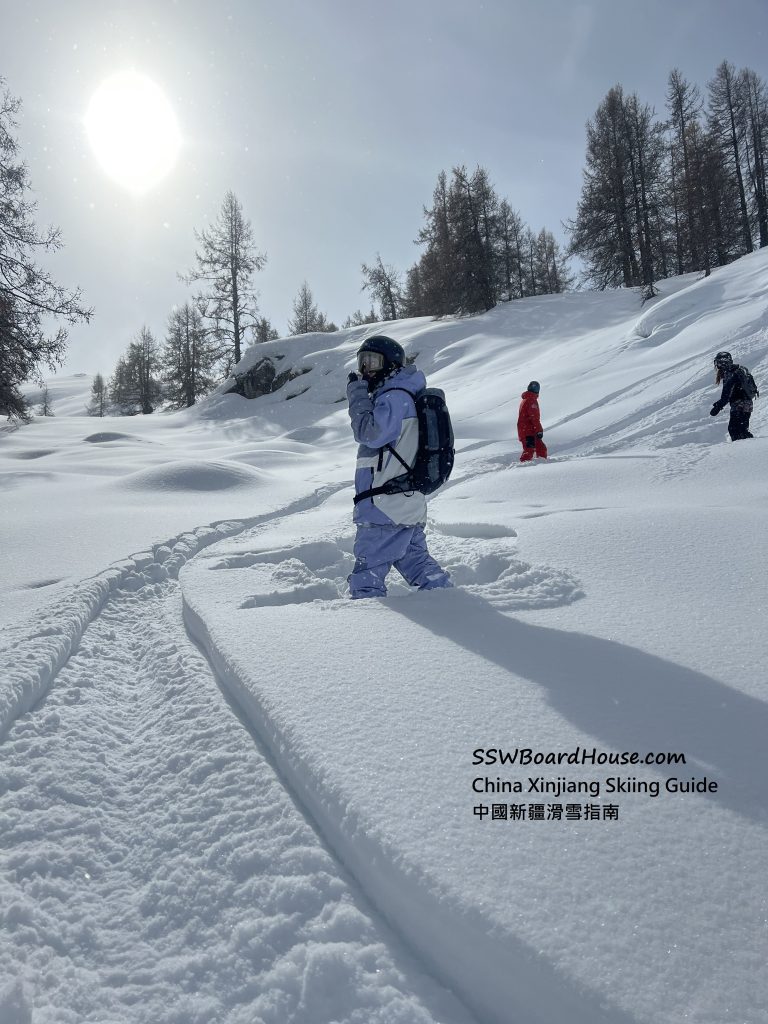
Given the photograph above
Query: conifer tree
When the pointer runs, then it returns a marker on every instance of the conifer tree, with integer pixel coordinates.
(358, 319)
(187, 358)
(473, 205)
(264, 331)
(413, 301)
(509, 243)
(225, 262)
(439, 265)
(29, 297)
(476, 248)
(46, 402)
(615, 230)
(753, 120)
(728, 133)
(135, 385)
(97, 405)
(383, 282)
(685, 104)
(306, 318)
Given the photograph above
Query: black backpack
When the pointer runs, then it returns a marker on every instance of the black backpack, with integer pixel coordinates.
(435, 454)
(747, 383)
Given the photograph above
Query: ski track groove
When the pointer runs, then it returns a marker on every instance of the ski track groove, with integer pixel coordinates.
(27, 671)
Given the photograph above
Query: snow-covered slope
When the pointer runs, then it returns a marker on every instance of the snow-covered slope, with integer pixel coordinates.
(293, 821)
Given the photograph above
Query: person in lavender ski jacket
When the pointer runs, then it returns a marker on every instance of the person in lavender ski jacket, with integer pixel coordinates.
(390, 527)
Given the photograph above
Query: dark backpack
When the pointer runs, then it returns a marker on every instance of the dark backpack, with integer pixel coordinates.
(435, 454)
(747, 383)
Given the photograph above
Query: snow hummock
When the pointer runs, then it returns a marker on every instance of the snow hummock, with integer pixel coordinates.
(227, 793)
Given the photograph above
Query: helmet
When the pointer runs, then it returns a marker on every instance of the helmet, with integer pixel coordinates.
(723, 361)
(378, 357)
(534, 386)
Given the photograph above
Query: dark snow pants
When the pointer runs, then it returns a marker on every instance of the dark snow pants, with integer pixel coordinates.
(738, 424)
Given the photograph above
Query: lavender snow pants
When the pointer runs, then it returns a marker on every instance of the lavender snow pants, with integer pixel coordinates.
(378, 548)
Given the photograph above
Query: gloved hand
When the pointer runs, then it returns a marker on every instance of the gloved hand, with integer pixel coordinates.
(352, 377)
(714, 410)
(530, 442)
(540, 434)
(356, 387)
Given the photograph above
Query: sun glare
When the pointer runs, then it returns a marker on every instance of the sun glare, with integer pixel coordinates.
(133, 131)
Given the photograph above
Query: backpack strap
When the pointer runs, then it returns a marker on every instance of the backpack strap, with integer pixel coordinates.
(388, 487)
(373, 491)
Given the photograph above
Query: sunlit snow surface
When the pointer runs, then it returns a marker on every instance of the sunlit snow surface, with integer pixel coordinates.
(229, 794)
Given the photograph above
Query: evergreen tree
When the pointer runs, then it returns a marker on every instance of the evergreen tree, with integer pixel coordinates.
(226, 261)
(135, 385)
(187, 358)
(383, 282)
(306, 319)
(728, 134)
(549, 269)
(531, 263)
(684, 104)
(144, 354)
(413, 302)
(46, 402)
(123, 389)
(615, 230)
(509, 251)
(97, 405)
(476, 247)
(264, 331)
(29, 297)
(473, 205)
(438, 267)
(358, 319)
(753, 122)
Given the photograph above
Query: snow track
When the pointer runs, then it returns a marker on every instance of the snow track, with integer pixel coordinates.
(139, 884)
(31, 656)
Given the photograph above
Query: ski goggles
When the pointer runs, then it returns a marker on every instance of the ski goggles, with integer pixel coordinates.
(370, 362)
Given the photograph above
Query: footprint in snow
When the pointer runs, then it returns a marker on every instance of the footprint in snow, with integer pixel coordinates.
(481, 558)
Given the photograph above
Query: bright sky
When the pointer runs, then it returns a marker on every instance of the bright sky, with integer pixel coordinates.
(330, 121)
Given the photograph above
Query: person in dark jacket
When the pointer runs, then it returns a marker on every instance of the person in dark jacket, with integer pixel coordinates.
(733, 394)
(529, 428)
(390, 527)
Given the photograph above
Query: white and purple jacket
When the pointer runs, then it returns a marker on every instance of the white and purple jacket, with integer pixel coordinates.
(388, 416)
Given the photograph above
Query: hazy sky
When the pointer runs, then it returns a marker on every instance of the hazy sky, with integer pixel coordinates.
(330, 121)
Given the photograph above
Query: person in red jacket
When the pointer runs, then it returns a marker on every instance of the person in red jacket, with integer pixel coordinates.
(529, 428)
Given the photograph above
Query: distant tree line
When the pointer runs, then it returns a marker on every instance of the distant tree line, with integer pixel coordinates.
(477, 251)
(662, 197)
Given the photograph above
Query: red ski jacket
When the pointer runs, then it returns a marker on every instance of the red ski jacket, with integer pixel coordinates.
(528, 418)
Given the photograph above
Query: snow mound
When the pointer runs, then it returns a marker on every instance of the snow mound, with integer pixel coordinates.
(191, 476)
(105, 436)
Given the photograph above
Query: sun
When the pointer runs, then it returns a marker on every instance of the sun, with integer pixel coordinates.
(133, 131)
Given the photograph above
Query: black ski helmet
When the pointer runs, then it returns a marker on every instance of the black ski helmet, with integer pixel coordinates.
(534, 386)
(391, 352)
(723, 360)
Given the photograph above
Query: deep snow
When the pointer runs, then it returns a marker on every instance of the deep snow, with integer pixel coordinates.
(229, 794)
